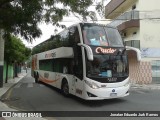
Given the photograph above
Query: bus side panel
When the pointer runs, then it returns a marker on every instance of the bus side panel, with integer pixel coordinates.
(70, 79)
(48, 77)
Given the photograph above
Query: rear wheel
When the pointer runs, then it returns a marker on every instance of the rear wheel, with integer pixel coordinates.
(65, 88)
(36, 76)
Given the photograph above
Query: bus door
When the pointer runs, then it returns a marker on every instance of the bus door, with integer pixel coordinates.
(78, 64)
(78, 72)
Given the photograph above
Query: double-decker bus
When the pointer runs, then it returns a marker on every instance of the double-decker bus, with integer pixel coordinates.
(87, 60)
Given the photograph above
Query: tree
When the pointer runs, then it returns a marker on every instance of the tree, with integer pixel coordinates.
(1, 57)
(15, 52)
(23, 16)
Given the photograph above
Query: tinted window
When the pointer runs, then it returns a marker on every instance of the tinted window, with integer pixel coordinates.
(114, 37)
(64, 38)
(98, 35)
(107, 66)
(94, 35)
(74, 36)
(46, 65)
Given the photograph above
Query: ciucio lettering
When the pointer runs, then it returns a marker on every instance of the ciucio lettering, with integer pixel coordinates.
(104, 50)
(50, 55)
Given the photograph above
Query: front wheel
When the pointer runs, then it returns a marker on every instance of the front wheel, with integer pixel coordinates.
(65, 88)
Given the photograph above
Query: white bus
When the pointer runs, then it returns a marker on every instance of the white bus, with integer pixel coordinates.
(87, 60)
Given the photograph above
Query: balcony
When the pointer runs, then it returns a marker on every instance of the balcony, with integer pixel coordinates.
(126, 20)
(116, 7)
(111, 6)
(128, 24)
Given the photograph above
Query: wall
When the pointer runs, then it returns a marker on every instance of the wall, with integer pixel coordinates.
(139, 72)
(149, 29)
(150, 34)
(10, 72)
(130, 36)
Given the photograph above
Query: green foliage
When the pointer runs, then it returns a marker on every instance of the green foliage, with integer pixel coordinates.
(101, 9)
(23, 16)
(53, 42)
(15, 50)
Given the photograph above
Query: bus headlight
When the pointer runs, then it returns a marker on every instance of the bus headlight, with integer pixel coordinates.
(91, 84)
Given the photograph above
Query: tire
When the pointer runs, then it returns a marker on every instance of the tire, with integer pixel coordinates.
(36, 77)
(65, 88)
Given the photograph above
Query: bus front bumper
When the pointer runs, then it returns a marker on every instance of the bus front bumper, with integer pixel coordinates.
(106, 93)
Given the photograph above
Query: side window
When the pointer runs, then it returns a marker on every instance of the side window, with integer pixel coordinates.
(65, 37)
(57, 65)
(46, 65)
(62, 65)
(73, 36)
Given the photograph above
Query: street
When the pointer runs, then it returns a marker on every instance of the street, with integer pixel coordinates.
(27, 95)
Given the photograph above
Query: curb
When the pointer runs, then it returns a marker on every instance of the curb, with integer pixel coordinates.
(146, 86)
(11, 83)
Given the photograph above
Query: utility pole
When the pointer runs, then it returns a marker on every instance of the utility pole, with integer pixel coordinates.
(1, 57)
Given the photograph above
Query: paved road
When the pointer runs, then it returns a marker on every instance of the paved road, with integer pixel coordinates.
(28, 95)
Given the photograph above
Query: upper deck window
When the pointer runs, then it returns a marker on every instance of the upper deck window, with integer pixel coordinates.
(114, 37)
(95, 35)
(98, 35)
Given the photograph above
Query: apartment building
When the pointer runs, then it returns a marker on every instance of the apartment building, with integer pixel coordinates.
(139, 24)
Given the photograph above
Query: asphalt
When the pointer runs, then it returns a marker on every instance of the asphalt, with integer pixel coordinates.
(11, 82)
(6, 87)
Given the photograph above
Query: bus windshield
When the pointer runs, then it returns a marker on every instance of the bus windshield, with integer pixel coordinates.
(107, 66)
(97, 35)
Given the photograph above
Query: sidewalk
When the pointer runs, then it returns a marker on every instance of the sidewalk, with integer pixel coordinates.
(11, 82)
(146, 86)
(6, 86)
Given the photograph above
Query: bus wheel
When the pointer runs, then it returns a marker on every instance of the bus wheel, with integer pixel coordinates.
(65, 88)
(37, 78)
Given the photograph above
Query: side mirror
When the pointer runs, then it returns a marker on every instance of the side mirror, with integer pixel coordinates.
(136, 50)
(89, 51)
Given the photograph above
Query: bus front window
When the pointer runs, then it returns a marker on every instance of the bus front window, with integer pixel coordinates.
(106, 66)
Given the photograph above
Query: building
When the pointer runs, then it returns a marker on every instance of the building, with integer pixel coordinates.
(139, 24)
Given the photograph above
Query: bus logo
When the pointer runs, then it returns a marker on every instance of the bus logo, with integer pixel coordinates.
(112, 79)
(105, 50)
(50, 55)
(113, 90)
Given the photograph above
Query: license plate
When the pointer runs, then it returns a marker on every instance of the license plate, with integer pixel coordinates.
(113, 94)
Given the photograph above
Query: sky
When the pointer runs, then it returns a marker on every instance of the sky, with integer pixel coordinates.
(48, 29)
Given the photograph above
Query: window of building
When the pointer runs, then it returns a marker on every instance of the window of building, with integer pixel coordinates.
(156, 71)
(133, 43)
(134, 33)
